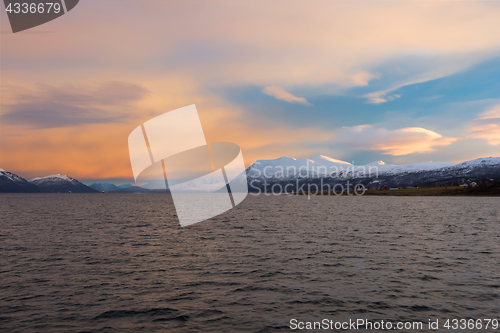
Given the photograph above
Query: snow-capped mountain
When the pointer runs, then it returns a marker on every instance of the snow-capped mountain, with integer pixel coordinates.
(480, 162)
(289, 168)
(319, 170)
(323, 166)
(12, 183)
(61, 184)
(412, 167)
(324, 170)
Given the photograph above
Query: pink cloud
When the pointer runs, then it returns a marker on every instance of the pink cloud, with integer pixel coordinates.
(279, 93)
(403, 141)
(487, 126)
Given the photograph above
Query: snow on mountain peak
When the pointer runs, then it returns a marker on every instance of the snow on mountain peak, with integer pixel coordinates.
(321, 166)
(376, 163)
(57, 177)
(484, 161)
(61, 184)
(11, 176)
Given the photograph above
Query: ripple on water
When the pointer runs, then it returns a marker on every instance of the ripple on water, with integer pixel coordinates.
(120, 263)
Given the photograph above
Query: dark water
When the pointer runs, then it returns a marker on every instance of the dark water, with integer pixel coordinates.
(121, 263)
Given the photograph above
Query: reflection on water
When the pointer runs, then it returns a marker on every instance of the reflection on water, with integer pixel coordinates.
(117, 263)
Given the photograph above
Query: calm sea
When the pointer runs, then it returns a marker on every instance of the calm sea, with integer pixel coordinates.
(121, 263)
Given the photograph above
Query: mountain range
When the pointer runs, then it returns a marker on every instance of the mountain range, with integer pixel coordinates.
(263, 174)
(324, 171)
(12, 183)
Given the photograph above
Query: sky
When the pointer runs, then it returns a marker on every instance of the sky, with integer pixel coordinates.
(360, 81)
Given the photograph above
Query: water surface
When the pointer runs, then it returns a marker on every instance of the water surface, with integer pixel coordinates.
(121, 263)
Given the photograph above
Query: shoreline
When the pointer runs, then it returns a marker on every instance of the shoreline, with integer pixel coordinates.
(451, 191)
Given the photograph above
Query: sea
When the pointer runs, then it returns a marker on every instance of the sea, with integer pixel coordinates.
(122, 263)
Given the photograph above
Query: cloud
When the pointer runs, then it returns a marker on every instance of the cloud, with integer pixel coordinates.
(70, 105)
(491, 114)
(50, 115)
(279, 93)
(430, 98)
(331, 44)
(487, 126)
(327, 44)
(379, 97)
(95, 151)
(403, 141)
(362, 78)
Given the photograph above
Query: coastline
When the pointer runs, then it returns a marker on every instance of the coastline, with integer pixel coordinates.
(490, 191)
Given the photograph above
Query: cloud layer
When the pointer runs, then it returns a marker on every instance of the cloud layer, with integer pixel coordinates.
(403, 141)
(72, 105)
(59, 106)
(281, 94)
(487, 126)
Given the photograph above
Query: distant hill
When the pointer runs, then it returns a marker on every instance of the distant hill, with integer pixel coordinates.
(12, 183)
(126, 188)
(61, 184)
(104, 187)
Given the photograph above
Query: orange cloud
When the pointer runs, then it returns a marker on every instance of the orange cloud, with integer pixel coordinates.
(71, 105)
(487, 126)
(211, 44)
(332, 42)
(403, 141)
(100, 149)
(491, 114)
(362, 78)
